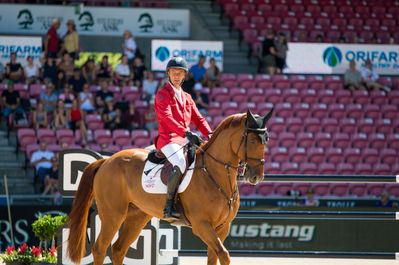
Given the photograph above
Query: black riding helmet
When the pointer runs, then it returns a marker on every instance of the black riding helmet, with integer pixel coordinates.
(177, 62)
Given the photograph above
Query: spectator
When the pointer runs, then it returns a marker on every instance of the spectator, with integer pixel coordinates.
(50, 69)
(31, 71)
(310, 199)
(150, 86)
(89, 71)
(67, 65)
(12, 102)
(67, 96)
(41, 160)
(77, 81)
(269, 53)
(139, 70)
(14, 69)
(75, 117)
(2, 71)
(353, 79)
(49, 98)
(86, 100)
(60, 115)
(104, 147)
(40, 117)
(132, 117)
(198, 71)
(385, 200)
(123, 73)
(319, 38)
(51, 41)
(281, 50)
(370, 77)
(201, 99)
(102, 95)
(187, 86)
(112, 117)
(60, 80)
(150, 118)
(213, 74)
(51, 177)
(64, 145)
(129, 46)
(104, 70)
(342, 39)
(71, 40)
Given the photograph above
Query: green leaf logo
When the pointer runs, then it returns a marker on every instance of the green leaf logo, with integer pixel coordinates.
(332, 56)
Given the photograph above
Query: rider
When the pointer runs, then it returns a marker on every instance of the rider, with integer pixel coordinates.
(175, 109)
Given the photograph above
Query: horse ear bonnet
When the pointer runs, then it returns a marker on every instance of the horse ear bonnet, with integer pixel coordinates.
(258, 122)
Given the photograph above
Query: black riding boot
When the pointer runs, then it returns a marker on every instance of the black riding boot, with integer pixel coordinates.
(173, 181)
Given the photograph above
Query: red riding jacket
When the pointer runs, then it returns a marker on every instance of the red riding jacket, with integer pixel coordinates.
(174, 118)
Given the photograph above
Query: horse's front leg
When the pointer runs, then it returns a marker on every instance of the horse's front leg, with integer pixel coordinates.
(222, 232)
(208, 235)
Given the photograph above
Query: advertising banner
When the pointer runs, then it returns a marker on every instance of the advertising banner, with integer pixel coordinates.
(103, 21)
(327, 58)
(22, 45)
(306, 235)
(163, 50)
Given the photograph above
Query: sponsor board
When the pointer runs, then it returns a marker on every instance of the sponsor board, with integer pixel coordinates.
(103, 21)
(327, 58)
(24, 46)
(163, 50)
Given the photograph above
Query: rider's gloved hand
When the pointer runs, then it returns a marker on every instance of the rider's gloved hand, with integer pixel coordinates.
(193, 138)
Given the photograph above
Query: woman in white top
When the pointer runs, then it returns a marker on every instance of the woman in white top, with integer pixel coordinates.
(370, 77)
(86, 101)
(31, 71)
(150, 86)
(123, 72)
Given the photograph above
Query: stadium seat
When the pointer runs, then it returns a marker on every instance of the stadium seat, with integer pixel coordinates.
(309, 96)
(36, 90)
(393, 95)
(308, 168)
(265, 189)
(103, 136)
(302, 110)
(389, 111)
(291, 96)
(372, 111)
(330, 125)
(382, 169)
(379, 97)
(312, 125)
(348, 126)
(246, 189)
(272, 168)
(65, 135)
(142, 142)
(352, 155)
(322, 189)
(139, 133)
(273, 95)
(298, 154)
(384, 126)
(319, 110)
(305, 139)
(26, 136)
(389, 156)
(287, 139)
(279, 154)
(276, 124)
(238, 95)
(337, 111)
(355, 111)
(255, 95)
(284, 110)
(214, 109)
(393, 141)
(46, 135)
(345, 169)
(360, 140)
(263, 108)
(341, 140)
(121, 137)
(358, 189)
(220, 94)
(30, 149)
(316, 155)
(361, 97)
(295, 125)
(327, 169)
(340, 189)
(334, 155)
(244, 106)
(344, 97)
(290, 168)
(323, 139)
(282, 189)
(366, 126)
(375, 190)
(130, 93)
(94, 122)
(229, 108)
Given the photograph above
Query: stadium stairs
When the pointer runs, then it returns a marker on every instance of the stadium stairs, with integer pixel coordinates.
(12, 164)
(206, 24)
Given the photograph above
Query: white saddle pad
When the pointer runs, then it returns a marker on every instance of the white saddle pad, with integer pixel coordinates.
(152, 182)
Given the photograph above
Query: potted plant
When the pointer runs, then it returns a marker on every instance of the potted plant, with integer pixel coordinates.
(44, 257)
(21, 256)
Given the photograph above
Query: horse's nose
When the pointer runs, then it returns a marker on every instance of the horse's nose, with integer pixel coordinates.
(254, 179)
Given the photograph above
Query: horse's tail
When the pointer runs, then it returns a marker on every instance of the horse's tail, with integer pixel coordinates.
(80, 211)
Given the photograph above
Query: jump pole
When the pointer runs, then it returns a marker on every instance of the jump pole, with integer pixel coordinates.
(333, 178)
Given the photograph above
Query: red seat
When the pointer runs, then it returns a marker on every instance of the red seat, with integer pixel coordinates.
(309, 96)
(255, 95)
(393, 140)
(273, 95)
(340, 189)
(302, 110)
(366, 126)
(377, 140)
(313, 8)
(272, 168)
(327, 96)
(36, 90)
(46, 135)
(393, 189)
(316, 155)
(360, 140)
(291, 96)
(356, 21)
(259, 19)
(247, 83)
(217, 120)
(287, 139)
(305, 139)
(389, 111)
(308, 168)
(395, 169)
(244, 106)
(263, 108)
(352, 155)
(65, 135)
(358, 189)
(295, 124)
(327, 169)
(279, 154)
(227, 76)
(26, 136)
(312, 125)
(238, 94)
(282, 84)
(284, 110)
(214, 109)
(30, 149)
(229, 108)
(361, 97)
(345, 169)
(249, 34)
(393, 95)
(355, 111)
(114, 148)
(220, 94)
(121, 137)
(330, 125)
(344, 97)
(322, 189)
(372, 111)
(348, 126)
(298, 154)
(131, 93)
(384, 126)
(265, 189)
(345, 9)
(389, 156)
(319, 110)
(386, 81)
(246, 189)
(290, 20)
(375, 189)
(282, 189)
(341, 140)
(371, 156)
(94, 121)
(276, 124)
(290, 168)
(247, 6)
(382, 169)
(142, 142)
(334, 155)
(372, 22)
(323, 139)
(139, 133)
(103, 136)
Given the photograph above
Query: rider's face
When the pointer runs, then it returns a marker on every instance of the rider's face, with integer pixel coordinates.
(176, 76)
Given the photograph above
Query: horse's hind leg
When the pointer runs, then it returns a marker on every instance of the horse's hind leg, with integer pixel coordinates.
(208, 235)
(134, 223)
(222, 233)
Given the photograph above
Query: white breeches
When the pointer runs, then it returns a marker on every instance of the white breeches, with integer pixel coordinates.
(175, 155)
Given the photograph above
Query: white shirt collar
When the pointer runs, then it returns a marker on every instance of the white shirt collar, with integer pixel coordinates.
(177, 92)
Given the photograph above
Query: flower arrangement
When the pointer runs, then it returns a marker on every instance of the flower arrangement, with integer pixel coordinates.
(26, 255)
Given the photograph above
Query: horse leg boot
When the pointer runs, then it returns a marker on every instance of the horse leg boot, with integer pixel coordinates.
(173, 181)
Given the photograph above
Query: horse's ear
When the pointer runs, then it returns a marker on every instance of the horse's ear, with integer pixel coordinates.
(267, 117)
(251, 121)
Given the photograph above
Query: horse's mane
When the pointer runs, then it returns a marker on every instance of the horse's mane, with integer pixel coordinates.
(231, 121)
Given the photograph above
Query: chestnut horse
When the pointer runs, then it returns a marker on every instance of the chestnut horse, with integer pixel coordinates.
(210, 201)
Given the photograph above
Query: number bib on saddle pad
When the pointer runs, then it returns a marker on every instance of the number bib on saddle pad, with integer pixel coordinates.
(152, 182)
